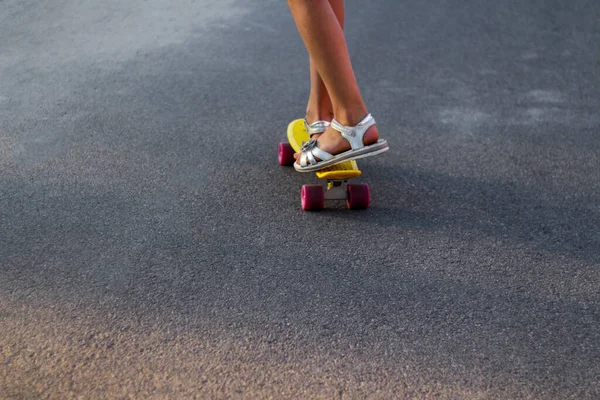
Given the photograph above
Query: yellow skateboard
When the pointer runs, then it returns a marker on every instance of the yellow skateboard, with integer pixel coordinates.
(313, 197)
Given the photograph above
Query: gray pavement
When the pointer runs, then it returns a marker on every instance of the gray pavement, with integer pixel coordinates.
(151, 247)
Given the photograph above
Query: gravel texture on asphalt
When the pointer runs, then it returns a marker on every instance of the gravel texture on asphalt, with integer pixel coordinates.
(152, 247)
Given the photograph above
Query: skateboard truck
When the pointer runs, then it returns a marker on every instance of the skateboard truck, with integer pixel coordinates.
(357, 196)
(336, 190)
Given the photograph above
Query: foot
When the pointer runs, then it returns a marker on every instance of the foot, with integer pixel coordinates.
(334, 143)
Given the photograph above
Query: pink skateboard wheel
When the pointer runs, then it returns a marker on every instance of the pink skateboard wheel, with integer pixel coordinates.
(359, 196)
(312, 197)
(286, 154)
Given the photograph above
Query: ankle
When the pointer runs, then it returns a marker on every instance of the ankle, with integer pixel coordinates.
(313, 115)
(351, 116)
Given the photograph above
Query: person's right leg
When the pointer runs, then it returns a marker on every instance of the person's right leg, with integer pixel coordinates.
(319, 107)
(326, 44)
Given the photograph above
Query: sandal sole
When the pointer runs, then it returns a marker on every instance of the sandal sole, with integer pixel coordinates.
(379, 147)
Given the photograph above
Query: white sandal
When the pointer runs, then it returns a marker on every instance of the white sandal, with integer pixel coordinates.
(316, 127)
(354, 134)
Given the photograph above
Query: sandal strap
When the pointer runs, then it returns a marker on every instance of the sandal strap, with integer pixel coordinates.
(310, 151)
(354, 134)
(316, 127)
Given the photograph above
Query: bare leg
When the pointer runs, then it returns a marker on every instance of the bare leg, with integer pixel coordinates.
(319, 105)
(324, 39)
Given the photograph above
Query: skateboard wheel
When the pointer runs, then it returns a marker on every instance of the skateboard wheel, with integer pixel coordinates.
(359, 196)
(312, 197)
(286, 154)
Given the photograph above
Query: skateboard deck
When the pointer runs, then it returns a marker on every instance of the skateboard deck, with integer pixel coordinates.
(357, 196)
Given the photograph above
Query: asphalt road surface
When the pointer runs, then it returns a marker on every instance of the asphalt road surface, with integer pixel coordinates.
(152, 247)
